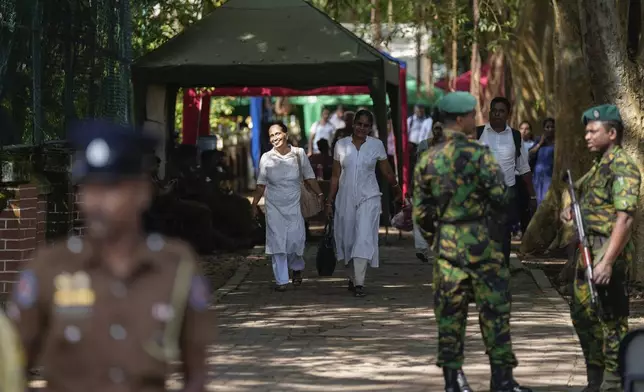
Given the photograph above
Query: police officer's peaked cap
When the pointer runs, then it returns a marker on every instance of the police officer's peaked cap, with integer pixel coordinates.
(107, 152)
(458, 102)
(601, 113)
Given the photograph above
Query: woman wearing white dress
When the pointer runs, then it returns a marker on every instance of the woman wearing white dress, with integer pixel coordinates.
(358, 204)
(279, 175)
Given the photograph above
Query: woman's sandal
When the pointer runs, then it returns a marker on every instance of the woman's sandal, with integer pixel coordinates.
(281, 288)
(297, 278)
(359, 291)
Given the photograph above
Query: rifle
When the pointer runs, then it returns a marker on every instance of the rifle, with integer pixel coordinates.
(584, 245)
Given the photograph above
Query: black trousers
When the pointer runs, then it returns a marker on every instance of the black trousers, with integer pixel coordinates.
(523, 204)
(511, 217)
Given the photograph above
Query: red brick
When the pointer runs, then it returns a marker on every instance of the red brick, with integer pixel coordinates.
(12, 223)
(10, 234)
(12, 244)
(9, 276)
(10, 255)
(27, 191)
(13, 265)
(28, 233)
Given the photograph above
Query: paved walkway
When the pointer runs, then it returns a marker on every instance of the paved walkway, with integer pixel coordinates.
(320, 338)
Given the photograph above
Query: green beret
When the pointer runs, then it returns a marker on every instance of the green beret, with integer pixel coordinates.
(601, 113)
(458, 102)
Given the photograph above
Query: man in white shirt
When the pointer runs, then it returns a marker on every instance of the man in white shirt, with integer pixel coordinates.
(337, 118)
(512, 155)
(321, 129)
(426, 129)
(415, 136)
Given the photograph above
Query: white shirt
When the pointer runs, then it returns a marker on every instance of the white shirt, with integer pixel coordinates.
(502, 146)
(426, 128)
(337, 121)
(414, 129)
(358, 204)
(321, 131)
(285, 231)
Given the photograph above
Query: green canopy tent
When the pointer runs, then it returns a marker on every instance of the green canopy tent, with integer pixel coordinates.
(312, 105)
(258, 43)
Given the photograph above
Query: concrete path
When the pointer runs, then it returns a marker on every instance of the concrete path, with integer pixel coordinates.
(320, 338)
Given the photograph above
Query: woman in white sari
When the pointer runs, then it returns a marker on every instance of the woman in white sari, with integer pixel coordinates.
(358, 204)
(280, 174)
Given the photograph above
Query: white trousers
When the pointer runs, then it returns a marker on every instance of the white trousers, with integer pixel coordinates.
(282, 263)
(357, 270)
(419, 241)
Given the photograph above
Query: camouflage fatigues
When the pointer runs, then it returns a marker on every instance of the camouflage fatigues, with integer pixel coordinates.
(611, 185)
(458, 182)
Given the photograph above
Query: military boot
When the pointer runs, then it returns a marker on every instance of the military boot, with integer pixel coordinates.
(502, 381)
(595, 377)
(611, 383)
(455, 381)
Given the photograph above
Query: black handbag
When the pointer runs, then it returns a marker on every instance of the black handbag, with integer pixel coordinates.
(325, 260)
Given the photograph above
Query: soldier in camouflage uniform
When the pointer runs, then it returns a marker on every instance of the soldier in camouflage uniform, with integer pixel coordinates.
(608, 196)
(459, 184)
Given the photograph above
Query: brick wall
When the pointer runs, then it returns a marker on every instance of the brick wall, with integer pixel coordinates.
(19, 232)
(31, 220)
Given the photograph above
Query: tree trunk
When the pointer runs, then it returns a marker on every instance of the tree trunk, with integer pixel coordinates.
(419, 61)
(495, 80)
(475, 67)
(532, 63)
(376, 26)
(616, 79)
(571, 97)
(454, 52)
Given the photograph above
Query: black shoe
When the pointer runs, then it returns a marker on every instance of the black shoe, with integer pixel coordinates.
(455, 381)
(502, 381)
(421, 256)
(359, 291)
(281, 288)
(595, 376)
(351, 286)
(297, 278)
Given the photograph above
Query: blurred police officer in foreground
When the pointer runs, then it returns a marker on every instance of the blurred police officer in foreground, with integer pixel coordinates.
(111, 310)
(12, 377)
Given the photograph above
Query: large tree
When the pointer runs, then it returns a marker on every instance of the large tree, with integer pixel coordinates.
(598, 59)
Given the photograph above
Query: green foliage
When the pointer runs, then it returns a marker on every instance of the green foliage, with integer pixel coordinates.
(155, 22)
(498, 19)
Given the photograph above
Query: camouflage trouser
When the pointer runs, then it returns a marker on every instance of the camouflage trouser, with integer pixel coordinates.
(488, 284)
(600, 337)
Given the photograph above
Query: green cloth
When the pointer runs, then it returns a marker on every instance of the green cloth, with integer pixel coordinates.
(601, 113)
(457, 102)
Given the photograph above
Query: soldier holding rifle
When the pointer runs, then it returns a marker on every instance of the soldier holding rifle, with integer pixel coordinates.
(607, 197)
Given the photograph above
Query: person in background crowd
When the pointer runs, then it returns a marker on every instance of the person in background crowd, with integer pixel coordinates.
(416, 135)
(358, 203)
(337, 119)
(525, 214)
(544, 155)
(281, 172)
(346, 131)
(321, 129)
(422, 248)
(512, 155)
(322, 162)
(526, 134)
